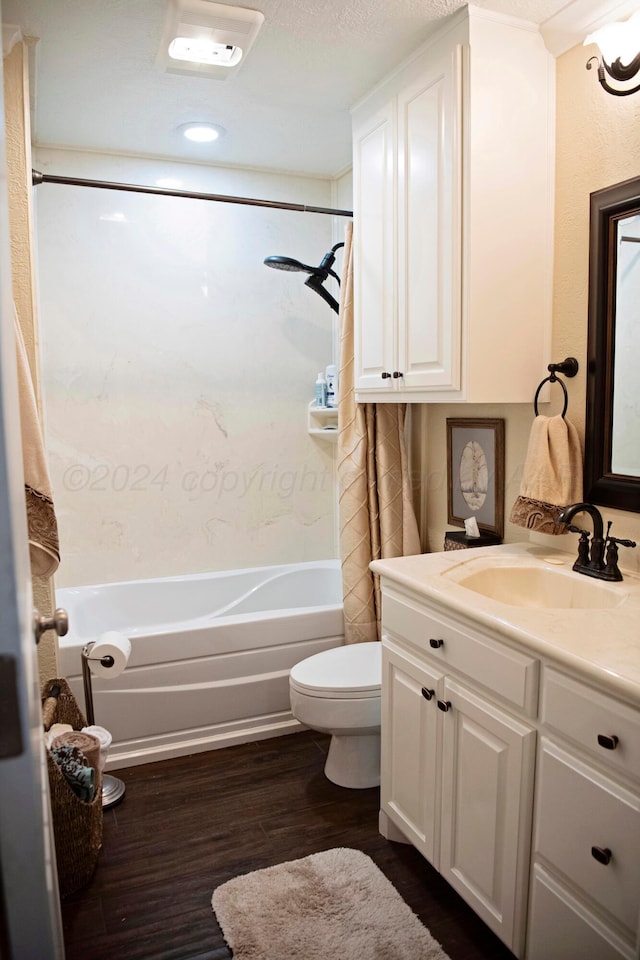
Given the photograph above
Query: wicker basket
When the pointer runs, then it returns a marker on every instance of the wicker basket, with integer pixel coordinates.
(77, 826)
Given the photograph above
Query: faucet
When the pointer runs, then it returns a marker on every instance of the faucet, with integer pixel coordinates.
(590, 559)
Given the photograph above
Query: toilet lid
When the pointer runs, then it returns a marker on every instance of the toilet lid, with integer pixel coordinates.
(352, 671)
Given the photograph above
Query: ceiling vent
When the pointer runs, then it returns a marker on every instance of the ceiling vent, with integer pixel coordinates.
(207, 39)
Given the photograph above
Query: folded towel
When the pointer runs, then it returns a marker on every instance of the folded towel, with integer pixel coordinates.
(76, 771)
(552, 476)
(104, 738)
(55, 730)
(44, 550)
(88, 745)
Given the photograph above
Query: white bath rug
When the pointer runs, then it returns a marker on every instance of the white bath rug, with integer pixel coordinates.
(331, 904)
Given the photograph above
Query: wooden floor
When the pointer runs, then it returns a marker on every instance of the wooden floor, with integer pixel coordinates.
(187, 825)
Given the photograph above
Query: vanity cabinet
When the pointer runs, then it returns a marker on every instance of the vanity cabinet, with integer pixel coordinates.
(453, 218)
(586, 858)
(457, 760)
(517, 778)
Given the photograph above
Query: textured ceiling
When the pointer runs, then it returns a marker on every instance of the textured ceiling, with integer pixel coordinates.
(287, 108)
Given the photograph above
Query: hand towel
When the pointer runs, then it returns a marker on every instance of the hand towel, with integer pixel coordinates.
(44, 548)
(552, 476)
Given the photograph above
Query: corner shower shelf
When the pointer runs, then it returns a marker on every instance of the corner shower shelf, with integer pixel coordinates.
(322, 422)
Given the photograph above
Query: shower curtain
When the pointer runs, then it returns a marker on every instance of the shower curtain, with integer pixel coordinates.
(377, 520)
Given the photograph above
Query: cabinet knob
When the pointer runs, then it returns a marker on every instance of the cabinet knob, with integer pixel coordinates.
(444, 705)
(427, 694)
(385, 374)
(608, 742)
(601, 854)
(396, 374)
(435, 643)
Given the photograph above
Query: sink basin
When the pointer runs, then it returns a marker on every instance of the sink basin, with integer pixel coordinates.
(535, 585)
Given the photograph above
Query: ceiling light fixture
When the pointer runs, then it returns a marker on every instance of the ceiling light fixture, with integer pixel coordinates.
(202, 132)
(620, 49)
(207, 38)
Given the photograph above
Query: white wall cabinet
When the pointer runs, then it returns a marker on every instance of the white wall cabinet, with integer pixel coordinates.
(558, 878)
(453, 226)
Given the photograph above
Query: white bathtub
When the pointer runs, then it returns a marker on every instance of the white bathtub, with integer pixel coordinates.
(210, 658)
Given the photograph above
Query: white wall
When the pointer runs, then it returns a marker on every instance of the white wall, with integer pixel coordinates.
(177, 370)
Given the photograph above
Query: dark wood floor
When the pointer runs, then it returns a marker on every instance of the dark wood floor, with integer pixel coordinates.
(187, 825)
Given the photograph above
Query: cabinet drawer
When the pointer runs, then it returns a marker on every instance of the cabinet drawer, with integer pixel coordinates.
(584, 715)
(580, 809)
(560, 928)
(510, 674)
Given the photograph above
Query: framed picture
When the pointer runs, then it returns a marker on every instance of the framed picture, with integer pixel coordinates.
(475, 473)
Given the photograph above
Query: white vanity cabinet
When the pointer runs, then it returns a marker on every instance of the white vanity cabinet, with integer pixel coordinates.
(458, 757)
(453, 218)
(586, 868)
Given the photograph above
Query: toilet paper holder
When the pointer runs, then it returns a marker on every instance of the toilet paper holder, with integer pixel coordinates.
(113, 789)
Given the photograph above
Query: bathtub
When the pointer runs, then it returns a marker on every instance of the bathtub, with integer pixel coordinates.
(210, 658)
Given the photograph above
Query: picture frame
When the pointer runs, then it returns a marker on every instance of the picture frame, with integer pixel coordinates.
(475, 473)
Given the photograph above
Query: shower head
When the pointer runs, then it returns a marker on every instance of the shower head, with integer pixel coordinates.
(318, 274)
(286, 263)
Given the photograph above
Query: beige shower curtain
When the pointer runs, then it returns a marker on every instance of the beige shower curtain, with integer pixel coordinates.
(376, 514)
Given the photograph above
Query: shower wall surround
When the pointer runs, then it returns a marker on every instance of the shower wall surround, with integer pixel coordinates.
(176, 371)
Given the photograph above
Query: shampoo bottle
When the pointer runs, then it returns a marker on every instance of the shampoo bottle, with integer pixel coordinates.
(332, 385)
(321, 391)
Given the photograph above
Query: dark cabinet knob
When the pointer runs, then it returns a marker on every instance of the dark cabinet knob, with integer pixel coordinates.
(601, 854)
(444, 705)
(427, 694)
(435, 643)
(608, 742)
(396, 374)
(385, 375)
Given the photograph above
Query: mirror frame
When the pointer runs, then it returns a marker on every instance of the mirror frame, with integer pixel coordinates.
(601, 486)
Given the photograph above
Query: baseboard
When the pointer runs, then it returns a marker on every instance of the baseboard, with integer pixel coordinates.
(152, 749)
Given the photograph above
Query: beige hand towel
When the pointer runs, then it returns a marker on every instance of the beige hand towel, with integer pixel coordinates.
(552, 476)
(44, 549)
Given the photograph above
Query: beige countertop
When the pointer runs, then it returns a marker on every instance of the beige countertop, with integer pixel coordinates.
(603, 645)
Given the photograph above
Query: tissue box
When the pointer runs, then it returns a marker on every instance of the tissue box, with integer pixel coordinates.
(458, 540)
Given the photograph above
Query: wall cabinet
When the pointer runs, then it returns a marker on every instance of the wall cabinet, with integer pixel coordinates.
(467, 748)
(453, 226)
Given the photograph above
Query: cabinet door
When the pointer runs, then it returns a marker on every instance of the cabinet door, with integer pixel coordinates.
(409, 750)
(488, 763)
(374, 250)
(429, 227)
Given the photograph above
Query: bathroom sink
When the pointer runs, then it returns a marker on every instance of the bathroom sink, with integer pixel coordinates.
(539, 585)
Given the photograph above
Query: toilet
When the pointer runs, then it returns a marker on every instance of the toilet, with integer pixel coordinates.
(338, 692)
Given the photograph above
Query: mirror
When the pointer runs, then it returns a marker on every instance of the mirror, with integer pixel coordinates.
(612, 436)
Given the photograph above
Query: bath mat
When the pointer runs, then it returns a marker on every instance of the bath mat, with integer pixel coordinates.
(331, 904)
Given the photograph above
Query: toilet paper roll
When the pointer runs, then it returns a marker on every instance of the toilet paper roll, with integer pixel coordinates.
(110, 644)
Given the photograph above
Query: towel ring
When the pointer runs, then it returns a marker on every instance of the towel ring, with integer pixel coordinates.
(552, 379)
(569, 368)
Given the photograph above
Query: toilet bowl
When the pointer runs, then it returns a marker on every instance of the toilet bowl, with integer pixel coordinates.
(338, 692)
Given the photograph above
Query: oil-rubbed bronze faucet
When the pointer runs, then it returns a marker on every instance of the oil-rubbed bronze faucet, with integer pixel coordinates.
(591, 561)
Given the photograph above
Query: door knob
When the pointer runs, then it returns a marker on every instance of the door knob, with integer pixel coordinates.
(58, 622)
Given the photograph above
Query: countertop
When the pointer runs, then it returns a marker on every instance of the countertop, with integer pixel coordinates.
(602, 645)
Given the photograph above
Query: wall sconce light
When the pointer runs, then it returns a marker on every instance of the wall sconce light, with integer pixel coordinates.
(620, 49)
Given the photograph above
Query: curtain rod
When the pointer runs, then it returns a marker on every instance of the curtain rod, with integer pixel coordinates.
(38, 178)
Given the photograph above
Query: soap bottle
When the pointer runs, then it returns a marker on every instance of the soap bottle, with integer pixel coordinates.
(321, 391)
(332, 385)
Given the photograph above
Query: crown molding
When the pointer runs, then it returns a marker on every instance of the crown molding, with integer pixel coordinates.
(577, 19)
